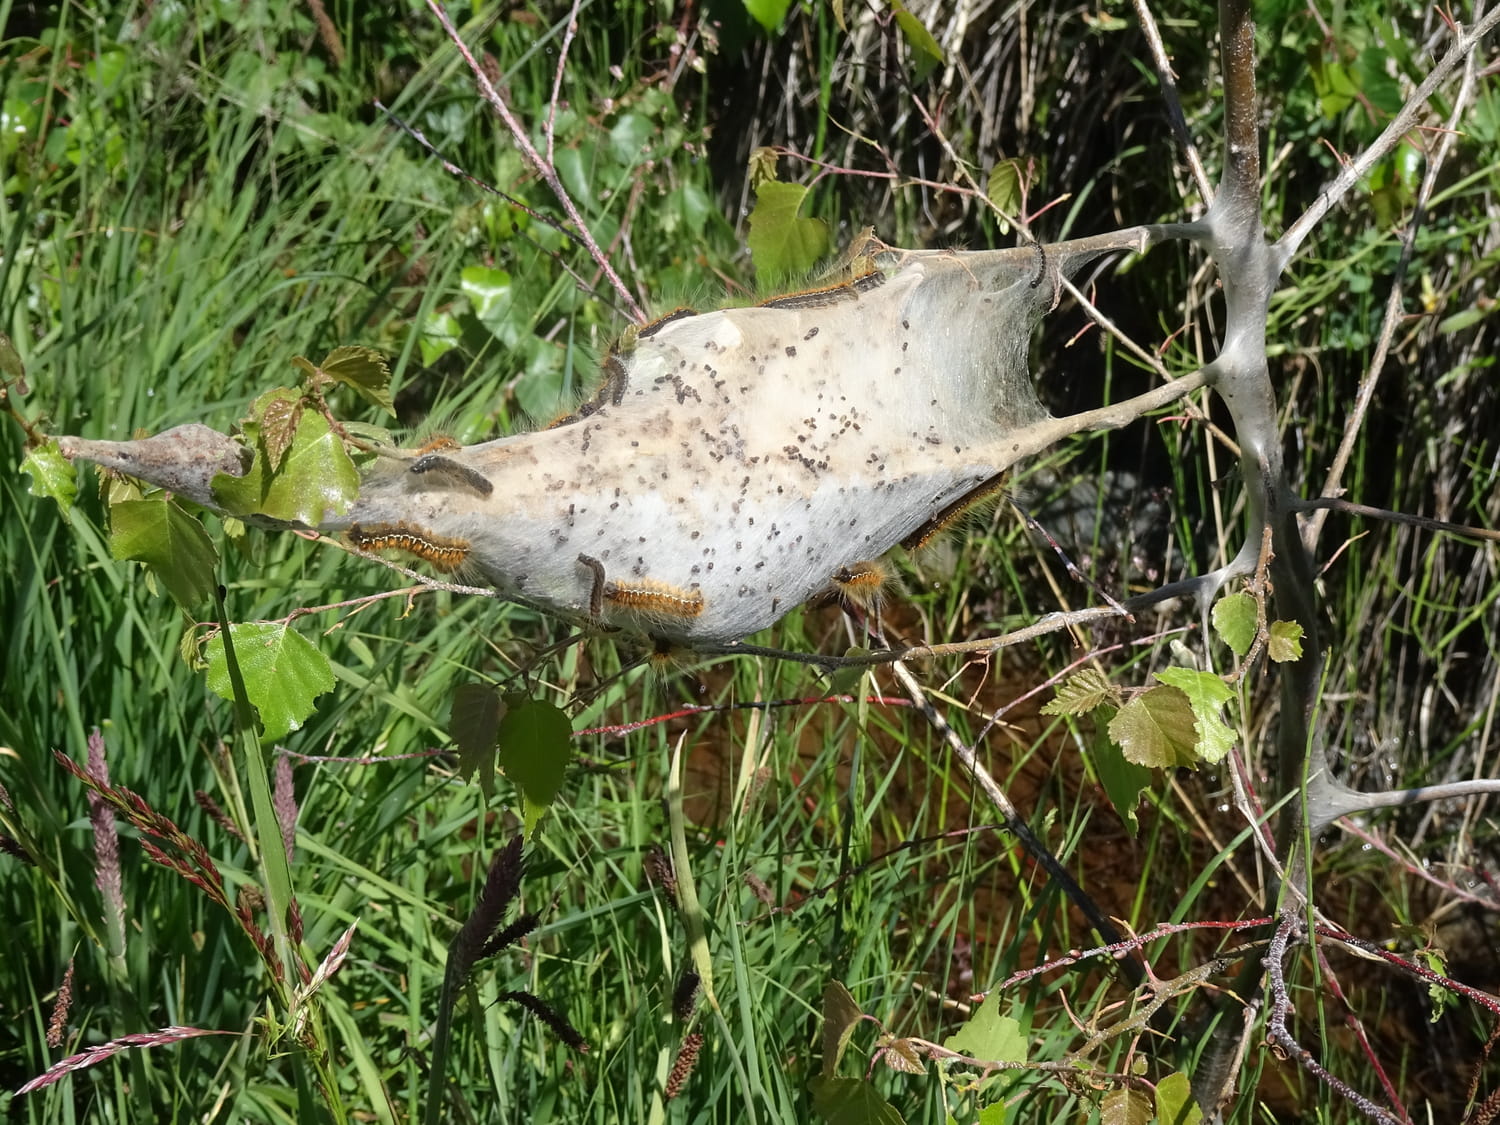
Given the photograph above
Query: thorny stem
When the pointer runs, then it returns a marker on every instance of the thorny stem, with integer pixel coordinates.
(1282, 1040)
(1249, 268)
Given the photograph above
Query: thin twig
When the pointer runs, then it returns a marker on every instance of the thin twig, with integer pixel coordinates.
(550, 125)
(1282, 1040)
(543, 167)
(1168, 88)
(1134, 967)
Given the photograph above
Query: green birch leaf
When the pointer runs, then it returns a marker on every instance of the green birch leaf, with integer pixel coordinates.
(1081, 692)
(1174, 1101)
(52, 475)
(1123, 781)
(316, 478)
(1206, 693)
(768, 13)
(536, 744)
(363, 369)
(170, 542)
(782, 244)
(840, 1014)
(1285, 642)
(1234, 620)
(989, 1036)
(474, 726)
(284, 673)
(491, 296)
(901, 1055)
(1125, 1107)
(926, 55)
(1004, 189)
(276, 415)
(851, 1101)
(1156, 729)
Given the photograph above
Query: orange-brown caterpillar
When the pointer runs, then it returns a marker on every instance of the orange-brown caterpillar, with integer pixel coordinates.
(946, 518)
(443, 553)
(859, 584)
(438, 443)
(653, 599)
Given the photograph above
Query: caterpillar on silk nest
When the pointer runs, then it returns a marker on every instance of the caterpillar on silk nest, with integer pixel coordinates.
(731, 465)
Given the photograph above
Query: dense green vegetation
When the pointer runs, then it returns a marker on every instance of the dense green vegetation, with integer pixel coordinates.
(194, 194)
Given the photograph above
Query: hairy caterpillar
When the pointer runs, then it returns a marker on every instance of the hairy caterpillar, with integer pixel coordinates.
(654, 599)
(443, 553)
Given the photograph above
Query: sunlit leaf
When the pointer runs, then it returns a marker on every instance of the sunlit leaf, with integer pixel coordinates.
(1234, 619)
(52, 475)
(1436, 961)
(284, 673)
(363, 369)
(535, 746)
(989, 1036)
(840, 1014)
(761, 167)
(316, 479)
(1156, 729)
(768, 13)
(1285, 641)
(901, 1055)
(172, 543)
(782, 244)
(1082, 692)
(1206, 693)
(1004, 189)
(1125, 1107)
(1174, 1101)
(489, 293)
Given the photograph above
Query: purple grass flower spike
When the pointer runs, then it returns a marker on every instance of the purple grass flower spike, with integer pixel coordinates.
(58, 1024)
(284, 802)
(106, 847)
(93, 1055)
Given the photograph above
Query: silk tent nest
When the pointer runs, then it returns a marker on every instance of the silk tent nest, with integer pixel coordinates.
(731, 465)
